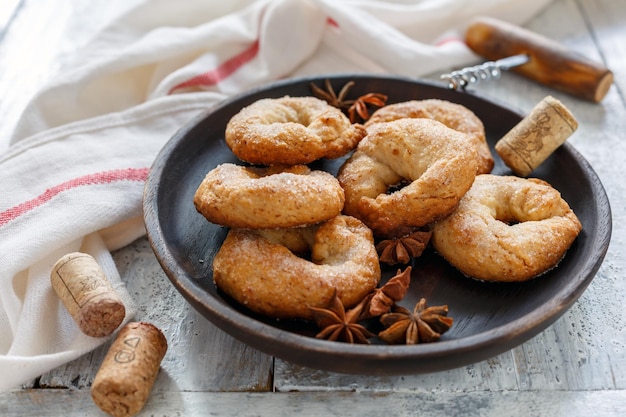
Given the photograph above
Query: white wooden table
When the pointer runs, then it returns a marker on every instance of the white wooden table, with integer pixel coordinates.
(577, 367)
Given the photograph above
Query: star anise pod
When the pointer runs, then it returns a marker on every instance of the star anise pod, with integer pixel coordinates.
(355, 108)
(337, 324)
(360, 106)
(401, 250)
(422, 325)
(383, 298)
(332, 98)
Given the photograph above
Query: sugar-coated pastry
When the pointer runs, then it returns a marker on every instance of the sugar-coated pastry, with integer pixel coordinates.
(272, 197)
(453, 115)
(431, 164)
(290, 131)
(259, 271)
(507, 228)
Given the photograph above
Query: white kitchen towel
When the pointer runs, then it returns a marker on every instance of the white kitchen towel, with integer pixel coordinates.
(73, 175)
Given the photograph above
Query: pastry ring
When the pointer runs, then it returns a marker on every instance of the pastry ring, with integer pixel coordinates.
(435, 165)
(290, 131)
(507, 228)
(258, 198)
(453, 115)
(262, 269)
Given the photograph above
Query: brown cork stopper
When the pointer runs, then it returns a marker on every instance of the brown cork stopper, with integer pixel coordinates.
(537, 136)
(125, 378)
(87, 294)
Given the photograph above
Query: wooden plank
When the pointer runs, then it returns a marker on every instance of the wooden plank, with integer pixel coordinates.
(606, 18)
(70, 403)
(587, 347)
(494, 374)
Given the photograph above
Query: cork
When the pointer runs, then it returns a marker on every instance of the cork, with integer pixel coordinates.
(87, 294)
(537, 136)
(125, 378)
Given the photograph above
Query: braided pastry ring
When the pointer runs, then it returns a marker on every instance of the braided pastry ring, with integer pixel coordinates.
(256, 268)
(507, 228)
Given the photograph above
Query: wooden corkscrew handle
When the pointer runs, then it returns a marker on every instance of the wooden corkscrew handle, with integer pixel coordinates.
(550, 63)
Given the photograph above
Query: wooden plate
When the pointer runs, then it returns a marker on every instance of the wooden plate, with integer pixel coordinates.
(489, 318)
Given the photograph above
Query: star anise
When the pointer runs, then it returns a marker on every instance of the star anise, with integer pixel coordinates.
(329, 95)
(355, 108)
(401, 250)
(383, 298)
(422, 325)
(337, 324)
(360, 106)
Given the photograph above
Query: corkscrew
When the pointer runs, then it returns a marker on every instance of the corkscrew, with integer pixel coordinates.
(460, 79)
(510, 47)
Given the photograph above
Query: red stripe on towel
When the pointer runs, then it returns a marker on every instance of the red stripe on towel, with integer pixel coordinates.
(449, 39)
(216, 75)
(105, 177)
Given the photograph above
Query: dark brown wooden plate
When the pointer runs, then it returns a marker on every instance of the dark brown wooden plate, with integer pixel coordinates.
(489, 318)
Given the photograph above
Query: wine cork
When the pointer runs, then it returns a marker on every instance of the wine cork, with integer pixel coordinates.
(125, 378)
(536, 136)
(87, 294)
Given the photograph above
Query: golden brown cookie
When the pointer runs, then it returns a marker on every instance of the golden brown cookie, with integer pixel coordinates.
(290, 131)
(434, 166)
(264, 275)
(455, 116)
(249, 197)
(507, 228)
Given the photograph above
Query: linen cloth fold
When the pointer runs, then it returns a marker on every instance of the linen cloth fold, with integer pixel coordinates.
(73, 175)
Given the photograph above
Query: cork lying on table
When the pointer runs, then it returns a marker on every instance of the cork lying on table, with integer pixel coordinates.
(536, 136)
(125, 378)
(87, 294)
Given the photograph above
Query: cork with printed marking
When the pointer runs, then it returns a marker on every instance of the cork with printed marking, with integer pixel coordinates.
(85, 291)
(537, 136)
(125, 378)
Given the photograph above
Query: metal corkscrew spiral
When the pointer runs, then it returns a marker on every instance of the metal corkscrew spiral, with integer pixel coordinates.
(458, 80)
